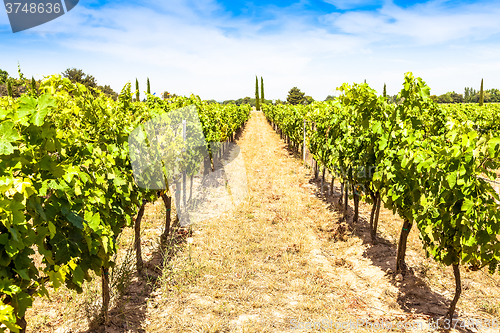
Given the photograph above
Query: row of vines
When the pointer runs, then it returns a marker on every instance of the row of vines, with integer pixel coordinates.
(428, 163)
(67, 188)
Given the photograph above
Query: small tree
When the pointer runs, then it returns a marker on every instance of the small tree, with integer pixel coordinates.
(78, 76)
(295, 96)
(262, 99)
(9, 88)
(137, 93)
(468, 94)
(456, 98)
(385, 91)
(3, 76)
(257, 103)
(481, 94)
(109, 92)
(308, 100)
(33, 86)
(149, 87)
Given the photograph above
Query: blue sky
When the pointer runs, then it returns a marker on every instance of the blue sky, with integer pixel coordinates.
(215, 48)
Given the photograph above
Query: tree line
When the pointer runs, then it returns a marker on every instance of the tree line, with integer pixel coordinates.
(10, 86)
(13, 87)
(295, 96)
(470, 95)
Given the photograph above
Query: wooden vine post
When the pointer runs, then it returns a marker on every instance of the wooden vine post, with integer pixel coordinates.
(105, 294)
(323, 180)
(184, 182)
(346, 200)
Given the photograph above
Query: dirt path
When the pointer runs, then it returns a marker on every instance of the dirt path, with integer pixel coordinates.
(275, 262)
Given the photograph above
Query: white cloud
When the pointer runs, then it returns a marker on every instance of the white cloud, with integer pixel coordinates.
(429, 23)
(185, 48)
(190, 55)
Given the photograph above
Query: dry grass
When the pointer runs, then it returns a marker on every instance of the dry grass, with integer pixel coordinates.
(278, 257)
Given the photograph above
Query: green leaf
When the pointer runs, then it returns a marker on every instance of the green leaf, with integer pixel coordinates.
(383, 143)
(119, 181)
(463, 171)
(404, 162)
(23, 301)
(36, 110)
(78, 190)
(467, 205)
(4, 238)
(39, 209)
(46, 163)
(425, 91)
(105, 242)
(93, 220)
(52, 229)
(78, 276)
(7, 136)
(11, 326)
(46, 101)
(76, 220)
(8, 318)
(452, 179)
(494, 147)
(56, 278)
(23, 273)
(26, 108)
(5, 258)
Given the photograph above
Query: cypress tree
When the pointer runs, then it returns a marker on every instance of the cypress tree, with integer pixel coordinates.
(262, 90)
(9, 88)
(33, 86)
(365, 80)
(149, 87)
(481, 94)
(257, 102)
(137, 94)
(385, 92)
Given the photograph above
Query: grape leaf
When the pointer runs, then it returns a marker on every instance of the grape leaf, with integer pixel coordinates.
(8, 135)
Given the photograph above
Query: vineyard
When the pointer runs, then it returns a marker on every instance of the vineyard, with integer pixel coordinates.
(73, 180)
(433, 166)
(68, 188)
